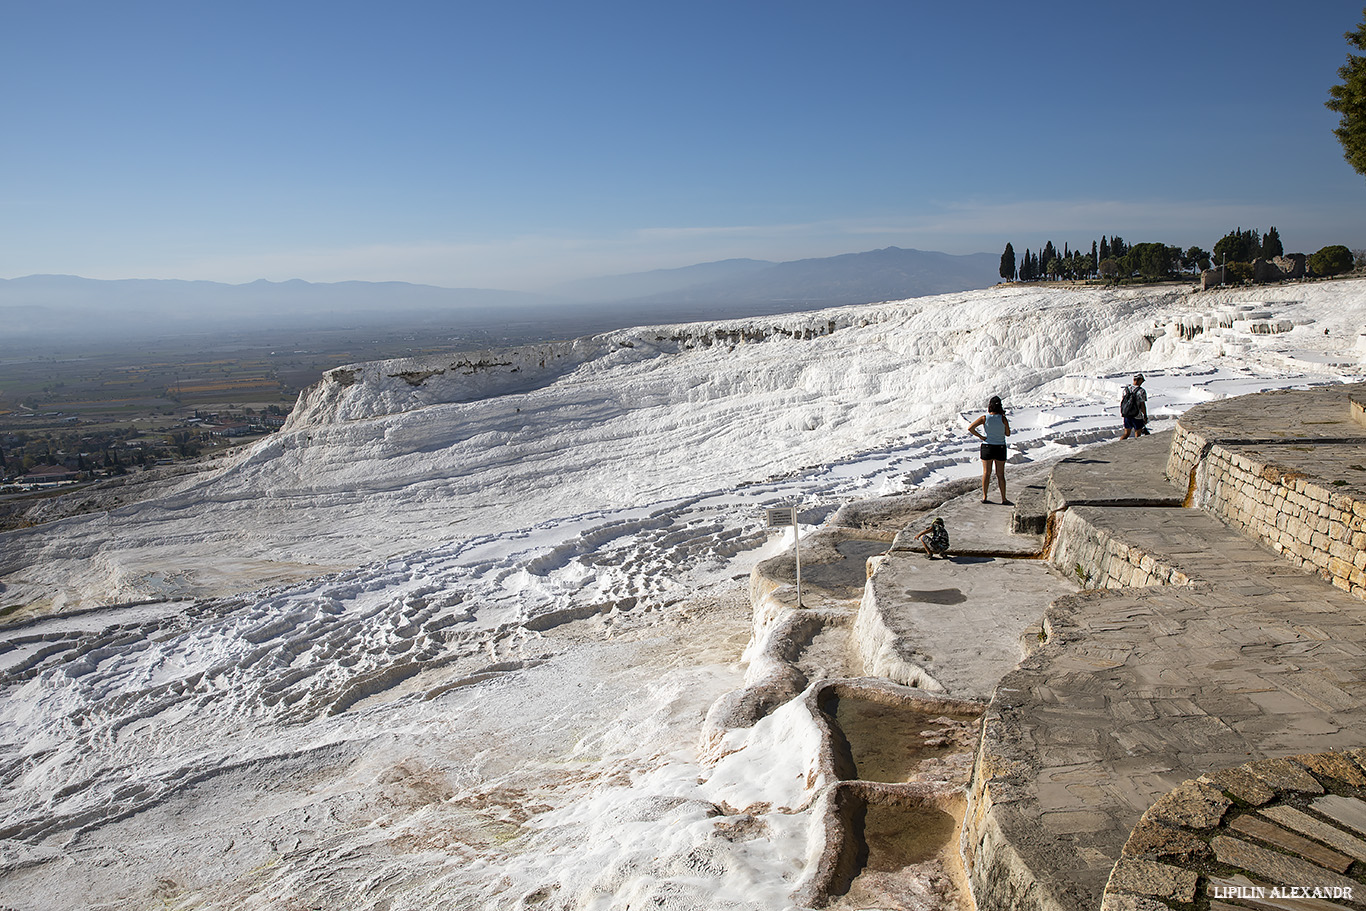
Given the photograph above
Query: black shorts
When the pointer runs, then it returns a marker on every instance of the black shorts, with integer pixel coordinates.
(992, 453)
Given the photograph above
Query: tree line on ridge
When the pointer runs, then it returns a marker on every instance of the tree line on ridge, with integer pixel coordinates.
(1112, 259)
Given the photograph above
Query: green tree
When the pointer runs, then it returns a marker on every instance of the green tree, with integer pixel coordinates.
(1271, 244)
(1008, 263)
(1198, 258)
(1331, 260)
(1152, 261)
(1349, 100)
(1238, 246)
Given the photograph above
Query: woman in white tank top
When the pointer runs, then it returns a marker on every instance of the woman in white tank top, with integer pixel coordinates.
(997, 427)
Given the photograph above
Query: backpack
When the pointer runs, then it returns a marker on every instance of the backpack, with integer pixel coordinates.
(1128, 404)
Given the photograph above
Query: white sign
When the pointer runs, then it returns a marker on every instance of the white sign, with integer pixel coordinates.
(780, 517)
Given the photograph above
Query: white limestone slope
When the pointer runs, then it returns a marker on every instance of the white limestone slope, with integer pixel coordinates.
(384, 458)
(492, 695)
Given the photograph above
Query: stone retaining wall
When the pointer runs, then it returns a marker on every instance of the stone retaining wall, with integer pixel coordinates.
(1097, 559)
(1186, 454)
(1305, 522)
(1267, 487)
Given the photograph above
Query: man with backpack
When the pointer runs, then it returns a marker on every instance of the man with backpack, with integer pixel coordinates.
(1133, 407)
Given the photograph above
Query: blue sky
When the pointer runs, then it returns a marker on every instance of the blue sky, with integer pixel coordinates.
(515, 144)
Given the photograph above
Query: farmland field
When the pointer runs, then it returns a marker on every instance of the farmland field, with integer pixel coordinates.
(157, 384)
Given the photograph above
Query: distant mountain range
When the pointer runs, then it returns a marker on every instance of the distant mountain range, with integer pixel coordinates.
(854, 278)
(51, 306)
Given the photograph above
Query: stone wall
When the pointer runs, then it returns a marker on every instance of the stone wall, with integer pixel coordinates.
(1097, 559)
(1211, 278)
(1296, 492)
(1187, 452)
(1278, 268)
(1307, 523)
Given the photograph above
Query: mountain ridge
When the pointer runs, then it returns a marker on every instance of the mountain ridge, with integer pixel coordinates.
(49, 305)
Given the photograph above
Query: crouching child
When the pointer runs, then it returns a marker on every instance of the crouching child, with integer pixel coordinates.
(935, 539)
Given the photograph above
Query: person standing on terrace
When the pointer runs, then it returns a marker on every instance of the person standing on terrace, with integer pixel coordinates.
(1133, 407)
(997, 427)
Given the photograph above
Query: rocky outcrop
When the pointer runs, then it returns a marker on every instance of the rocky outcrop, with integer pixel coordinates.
(1278, 268)
(1211, 278)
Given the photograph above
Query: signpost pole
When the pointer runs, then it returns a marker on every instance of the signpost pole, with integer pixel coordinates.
(778, 517)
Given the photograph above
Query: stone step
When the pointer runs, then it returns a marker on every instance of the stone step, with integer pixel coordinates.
(1129, 472)
(1107, 547)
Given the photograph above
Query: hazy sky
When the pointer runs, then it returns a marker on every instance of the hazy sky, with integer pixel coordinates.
(512, 144)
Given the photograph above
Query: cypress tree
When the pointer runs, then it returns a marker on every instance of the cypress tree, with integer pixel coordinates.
(1008, 263)
(1271, 244)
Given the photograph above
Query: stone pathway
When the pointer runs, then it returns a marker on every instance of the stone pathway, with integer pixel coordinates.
(1285, 834)
(965, 621)
(1185, 698)
(1186, 732)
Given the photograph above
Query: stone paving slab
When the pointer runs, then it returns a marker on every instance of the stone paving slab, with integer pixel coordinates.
(1281, 415)
(975, 529)
(1139, 692)
(1128, 472)
(961, 620)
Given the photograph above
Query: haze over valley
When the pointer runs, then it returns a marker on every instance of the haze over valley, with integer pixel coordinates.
(58, 308)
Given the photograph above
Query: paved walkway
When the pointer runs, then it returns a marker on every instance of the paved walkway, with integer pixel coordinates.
(1123, 473)
(964, 621)
(1188, 731)
(1139, 692)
